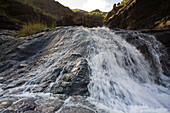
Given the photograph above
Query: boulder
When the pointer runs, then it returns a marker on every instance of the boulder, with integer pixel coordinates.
(75, 110)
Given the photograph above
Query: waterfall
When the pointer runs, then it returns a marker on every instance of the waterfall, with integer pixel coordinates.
(122, 78)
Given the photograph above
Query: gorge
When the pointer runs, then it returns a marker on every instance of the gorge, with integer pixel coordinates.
(85, 62)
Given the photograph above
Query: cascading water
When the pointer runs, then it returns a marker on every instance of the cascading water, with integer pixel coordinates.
(122, 79)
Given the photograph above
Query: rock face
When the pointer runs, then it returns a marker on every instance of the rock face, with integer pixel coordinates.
(66, 73)
(45, 105)
(72, 68)
(140, 14)
(88, 20)
(161, 35)
(164, 37)
(112, 12)
(83, 18)
(76, 110)
(75, 77)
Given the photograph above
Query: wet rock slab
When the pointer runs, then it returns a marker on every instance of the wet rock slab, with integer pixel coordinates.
(74, 80)
(40, 104)
(76, 110)
(20, 56)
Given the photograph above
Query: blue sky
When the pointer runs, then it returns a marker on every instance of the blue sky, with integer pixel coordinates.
(89, 5)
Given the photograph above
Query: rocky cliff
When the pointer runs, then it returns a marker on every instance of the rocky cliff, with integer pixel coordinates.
(83, 18)
(140, 14)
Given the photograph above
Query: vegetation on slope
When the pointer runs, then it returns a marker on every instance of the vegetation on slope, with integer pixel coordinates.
(49, 7)
(29, 16)
(31, 28)
(123, 3)
(139, 14)
(99, 14)
(14, 14)
(79, 11)
(96, 12)
(88, 19)
(17, 14)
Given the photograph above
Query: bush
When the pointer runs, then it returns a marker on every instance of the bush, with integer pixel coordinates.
(99, 14)
(31, 28)
(123, 3)
(79, 10)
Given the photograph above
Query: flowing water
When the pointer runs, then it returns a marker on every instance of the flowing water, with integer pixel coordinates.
(122, 78)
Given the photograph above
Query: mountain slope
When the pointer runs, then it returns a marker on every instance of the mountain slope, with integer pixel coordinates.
(88, 19)
(50, 7)
(15, 13)
(141, 14)
(19, 13)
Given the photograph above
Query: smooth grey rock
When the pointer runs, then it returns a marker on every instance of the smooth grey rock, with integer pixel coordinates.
(75, 110)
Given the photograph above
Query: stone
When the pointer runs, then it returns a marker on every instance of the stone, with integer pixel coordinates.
(24, 105)
(75, 80)
(31, 111)
(50, 108)
(5, 104)
(75, 110)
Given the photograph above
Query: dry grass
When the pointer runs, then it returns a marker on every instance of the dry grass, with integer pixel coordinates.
(79, 10)
(31, 28)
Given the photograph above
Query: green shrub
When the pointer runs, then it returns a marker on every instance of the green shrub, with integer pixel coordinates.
(123, 3)
(97, 14)
(31, 28)
(79, 10)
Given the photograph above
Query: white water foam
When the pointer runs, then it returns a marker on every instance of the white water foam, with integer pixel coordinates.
(121, 78)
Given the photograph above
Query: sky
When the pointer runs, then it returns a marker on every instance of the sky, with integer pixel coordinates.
(89, 5)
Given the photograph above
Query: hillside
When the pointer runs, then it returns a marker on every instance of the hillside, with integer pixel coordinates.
(19, 13)
(140, 14)
(88, 19)
(50, 7)
(129, 14)
(15, 13)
